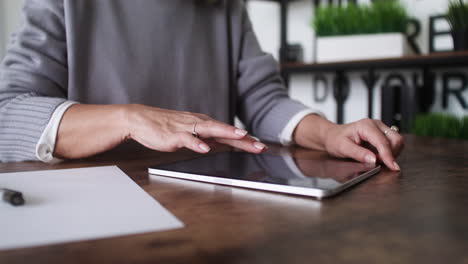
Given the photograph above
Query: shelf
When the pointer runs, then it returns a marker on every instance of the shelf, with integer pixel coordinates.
(341, 91)
(423, 63)
(446, 59)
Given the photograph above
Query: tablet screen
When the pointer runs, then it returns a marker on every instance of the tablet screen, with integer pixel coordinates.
(274, 171)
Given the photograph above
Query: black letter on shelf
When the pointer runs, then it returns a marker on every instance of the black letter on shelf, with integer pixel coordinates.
(456, 91)
(319, 98)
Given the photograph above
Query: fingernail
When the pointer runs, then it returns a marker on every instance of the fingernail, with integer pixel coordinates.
(240, 132)
(259, 145)
(395, 166)
(370, 159)
(204, 147)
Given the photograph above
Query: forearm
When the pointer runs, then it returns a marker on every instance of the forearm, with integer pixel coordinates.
(312, 132)
(86, 130)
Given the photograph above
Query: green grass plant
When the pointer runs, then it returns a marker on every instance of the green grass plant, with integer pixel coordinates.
(440, 125)
(383, 16)
(464, 128)
(457, 15)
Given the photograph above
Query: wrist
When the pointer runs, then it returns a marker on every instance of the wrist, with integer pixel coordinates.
(312, 132)
(125, 115)
(89, 129)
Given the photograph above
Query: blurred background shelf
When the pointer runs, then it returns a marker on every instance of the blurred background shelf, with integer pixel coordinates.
(445, 59)
(424, 63)
(341, 90)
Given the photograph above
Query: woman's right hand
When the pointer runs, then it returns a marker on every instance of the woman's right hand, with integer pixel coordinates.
(86, 130)
(169, 130)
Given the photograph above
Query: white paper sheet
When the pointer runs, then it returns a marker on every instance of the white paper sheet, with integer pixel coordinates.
(77, 204)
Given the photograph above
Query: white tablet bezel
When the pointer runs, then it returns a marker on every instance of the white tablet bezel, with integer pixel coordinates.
(304, 191)
(309, 191)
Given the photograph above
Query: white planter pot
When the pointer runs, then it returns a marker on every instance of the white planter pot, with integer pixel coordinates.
(360, 47)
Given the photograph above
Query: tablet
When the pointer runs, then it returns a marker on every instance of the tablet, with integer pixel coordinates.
(316, 177)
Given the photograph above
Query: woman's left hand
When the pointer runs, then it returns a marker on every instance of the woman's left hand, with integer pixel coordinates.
(350, 140)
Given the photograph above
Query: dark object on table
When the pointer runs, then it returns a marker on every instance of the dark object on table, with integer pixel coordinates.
(12, 197)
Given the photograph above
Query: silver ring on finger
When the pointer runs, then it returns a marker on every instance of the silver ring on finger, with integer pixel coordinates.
(392, 128)
(194, 131)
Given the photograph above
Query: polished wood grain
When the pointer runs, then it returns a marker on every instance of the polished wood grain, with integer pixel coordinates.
(417, 216)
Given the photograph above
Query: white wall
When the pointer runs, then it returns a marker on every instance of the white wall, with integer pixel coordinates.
(265, 20)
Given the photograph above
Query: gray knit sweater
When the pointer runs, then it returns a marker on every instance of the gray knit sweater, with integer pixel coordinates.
(176, 54)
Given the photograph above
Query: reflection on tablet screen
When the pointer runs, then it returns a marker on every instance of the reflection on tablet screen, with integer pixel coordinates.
(320, 173)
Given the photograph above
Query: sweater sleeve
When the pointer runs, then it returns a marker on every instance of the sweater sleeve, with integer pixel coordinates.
(33, 79)
(264, 105)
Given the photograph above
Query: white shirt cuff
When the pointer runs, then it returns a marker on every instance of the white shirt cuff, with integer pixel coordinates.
(46, 144)
(286, 135)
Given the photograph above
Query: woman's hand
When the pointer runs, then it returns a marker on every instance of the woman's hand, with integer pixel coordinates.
(168, 130)
(350, 140)
(86, 130)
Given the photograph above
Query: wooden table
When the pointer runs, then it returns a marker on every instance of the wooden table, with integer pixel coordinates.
(417, 216)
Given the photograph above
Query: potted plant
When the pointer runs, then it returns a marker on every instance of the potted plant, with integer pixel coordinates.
(440, 125)
(354, 32)
(457, 17)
